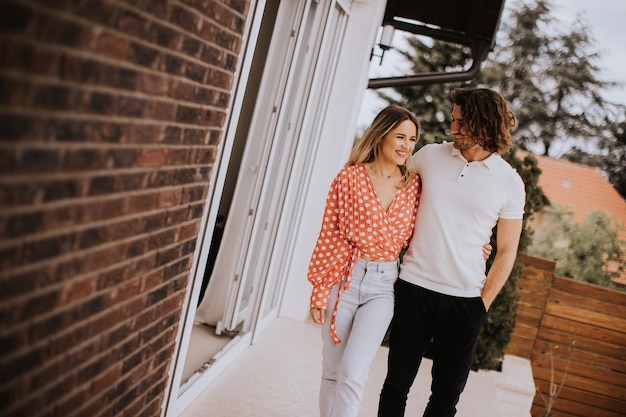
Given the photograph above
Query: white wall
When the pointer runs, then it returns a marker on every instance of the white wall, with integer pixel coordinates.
(337, 137)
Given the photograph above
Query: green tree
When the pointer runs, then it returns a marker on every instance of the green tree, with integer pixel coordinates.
(495, 334)
(549, 73)
(591, 251)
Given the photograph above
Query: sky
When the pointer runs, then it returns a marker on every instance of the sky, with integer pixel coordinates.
(604, 19)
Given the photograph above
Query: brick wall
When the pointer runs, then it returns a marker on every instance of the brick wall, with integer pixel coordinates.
(110, 114)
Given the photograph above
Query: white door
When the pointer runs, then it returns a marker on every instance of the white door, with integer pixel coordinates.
(303, 48)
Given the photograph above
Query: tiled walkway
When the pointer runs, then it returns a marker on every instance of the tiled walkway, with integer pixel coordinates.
(279, 377)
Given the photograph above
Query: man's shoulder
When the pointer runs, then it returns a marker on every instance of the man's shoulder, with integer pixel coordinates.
(443, 148)
(498, 162)
(507, 174)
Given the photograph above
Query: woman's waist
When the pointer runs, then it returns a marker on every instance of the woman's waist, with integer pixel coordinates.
(374, 258)
(370, 260)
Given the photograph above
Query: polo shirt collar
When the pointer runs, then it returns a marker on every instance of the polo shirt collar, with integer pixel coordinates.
(487, 162)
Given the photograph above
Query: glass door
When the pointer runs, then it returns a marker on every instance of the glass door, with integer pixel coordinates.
(317, 68)
(229, 293)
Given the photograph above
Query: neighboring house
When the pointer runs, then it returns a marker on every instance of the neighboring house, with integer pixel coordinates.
(580, 188)
(162, 157)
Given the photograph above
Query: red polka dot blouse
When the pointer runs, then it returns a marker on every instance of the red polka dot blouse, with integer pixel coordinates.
(354, 222)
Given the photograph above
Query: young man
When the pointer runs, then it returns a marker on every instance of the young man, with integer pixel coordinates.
(442, 292)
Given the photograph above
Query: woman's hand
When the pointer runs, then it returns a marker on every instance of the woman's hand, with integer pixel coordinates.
(487, 248)
(318, 315)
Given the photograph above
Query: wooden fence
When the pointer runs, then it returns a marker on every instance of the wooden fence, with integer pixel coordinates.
(554, 313)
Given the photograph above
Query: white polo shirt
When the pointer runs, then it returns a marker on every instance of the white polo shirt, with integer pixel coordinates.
(459, 205)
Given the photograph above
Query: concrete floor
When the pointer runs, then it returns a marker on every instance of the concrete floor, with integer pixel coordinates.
(279, 377)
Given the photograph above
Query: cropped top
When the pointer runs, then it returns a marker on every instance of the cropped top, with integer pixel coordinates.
(354, 222)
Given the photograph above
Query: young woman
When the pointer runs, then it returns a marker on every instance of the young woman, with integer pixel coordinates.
(368, 220)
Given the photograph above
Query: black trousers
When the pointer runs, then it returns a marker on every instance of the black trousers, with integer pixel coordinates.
(453, 324)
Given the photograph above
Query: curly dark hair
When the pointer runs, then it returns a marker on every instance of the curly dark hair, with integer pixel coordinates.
(487, 116)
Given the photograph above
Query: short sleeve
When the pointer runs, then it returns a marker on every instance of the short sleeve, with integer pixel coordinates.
(516, 199)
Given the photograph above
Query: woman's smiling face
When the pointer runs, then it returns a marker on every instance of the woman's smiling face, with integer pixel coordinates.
(398, 143)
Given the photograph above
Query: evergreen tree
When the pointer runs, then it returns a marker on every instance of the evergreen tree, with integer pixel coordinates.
(496, 331)
(549, 74)
(611, 160)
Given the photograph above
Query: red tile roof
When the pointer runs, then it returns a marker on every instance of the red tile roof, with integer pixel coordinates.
(581, 188)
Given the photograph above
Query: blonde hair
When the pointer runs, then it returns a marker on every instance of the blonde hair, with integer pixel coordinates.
(367, 148)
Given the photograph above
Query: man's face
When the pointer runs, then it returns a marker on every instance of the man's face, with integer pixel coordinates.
(459, 130)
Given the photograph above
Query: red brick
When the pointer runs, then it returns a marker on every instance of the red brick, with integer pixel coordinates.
(145, 134)
(124, 292)
(191, 46)
(193, 136)
(154, 222)
(185, 18)
(153, 84)
(102, 258)
(177, 215)
(172, 135)
(194, 193)
(110, 45)
(164, 36)
(131, 181)
(188, 231)
(131, 23)
(179, 156)
(182, 90)
(166, 256)
(214, 137)
(105, 380)
(131, 107)
(170, 198)
(78, 290)
(162, 111)
(151, 281)
(106, 209)
(124, 229)
(206, 156)
(152, 157)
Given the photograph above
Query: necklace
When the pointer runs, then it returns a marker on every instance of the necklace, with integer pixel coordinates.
(380, 174)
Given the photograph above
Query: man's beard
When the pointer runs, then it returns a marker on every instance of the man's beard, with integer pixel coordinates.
(463, 144)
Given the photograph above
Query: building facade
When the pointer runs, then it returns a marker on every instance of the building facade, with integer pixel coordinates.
(163, 170)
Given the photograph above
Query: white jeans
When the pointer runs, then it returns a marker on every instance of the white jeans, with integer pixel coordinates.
(364, 314)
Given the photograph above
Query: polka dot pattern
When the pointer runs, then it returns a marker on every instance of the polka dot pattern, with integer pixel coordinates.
(354, 222)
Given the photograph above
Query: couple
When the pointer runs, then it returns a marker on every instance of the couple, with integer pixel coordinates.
(442, 292)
